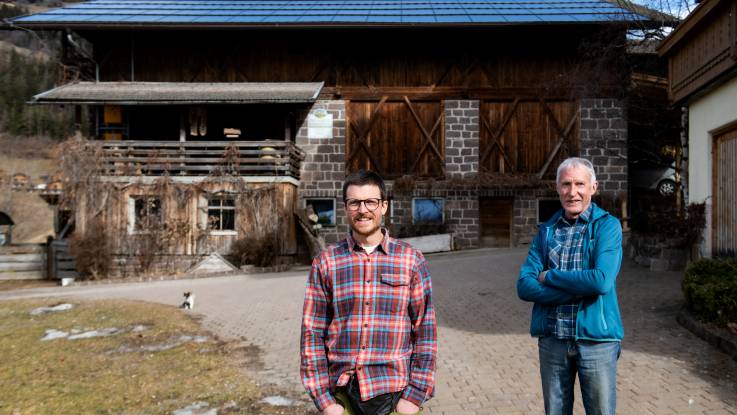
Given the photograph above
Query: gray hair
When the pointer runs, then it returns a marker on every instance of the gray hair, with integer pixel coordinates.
(572, 162)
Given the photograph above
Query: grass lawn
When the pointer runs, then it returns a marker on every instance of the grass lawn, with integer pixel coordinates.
(157, 361)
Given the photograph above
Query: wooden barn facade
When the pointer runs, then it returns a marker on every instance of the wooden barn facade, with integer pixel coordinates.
(465, 108)
(702, 77)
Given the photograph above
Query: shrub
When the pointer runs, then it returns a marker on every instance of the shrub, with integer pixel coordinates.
(710, 290)
(668, 224)
(259, 251)
(92, 252)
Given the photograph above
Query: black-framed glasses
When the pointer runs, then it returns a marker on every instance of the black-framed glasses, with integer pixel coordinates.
(355, 204)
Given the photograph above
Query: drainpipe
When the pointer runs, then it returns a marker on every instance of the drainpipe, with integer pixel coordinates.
(682, 167)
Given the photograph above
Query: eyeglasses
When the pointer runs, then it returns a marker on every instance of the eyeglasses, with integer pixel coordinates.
(355, 204)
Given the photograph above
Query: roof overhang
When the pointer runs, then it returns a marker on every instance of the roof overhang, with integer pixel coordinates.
(181, 93)
(680, 33)
(276, 14)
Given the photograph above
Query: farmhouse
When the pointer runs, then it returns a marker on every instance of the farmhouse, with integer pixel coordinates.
(214, 121)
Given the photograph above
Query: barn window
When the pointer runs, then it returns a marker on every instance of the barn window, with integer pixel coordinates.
(144, 213)
(221, 214)
(324, 209)
(428, 211)
(546, 209)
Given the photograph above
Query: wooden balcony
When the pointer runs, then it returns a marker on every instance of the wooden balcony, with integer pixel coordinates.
(201, 158)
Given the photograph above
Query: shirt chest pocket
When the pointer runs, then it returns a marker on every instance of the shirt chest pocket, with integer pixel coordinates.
(392, 293)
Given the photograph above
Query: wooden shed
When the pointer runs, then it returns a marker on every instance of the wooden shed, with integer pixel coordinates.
(465, 107)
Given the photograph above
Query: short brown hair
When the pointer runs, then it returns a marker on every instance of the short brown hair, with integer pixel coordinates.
(364, 177)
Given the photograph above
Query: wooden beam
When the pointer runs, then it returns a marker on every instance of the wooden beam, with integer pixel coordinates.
(428, 137)
(495, 135)
(362, 135)
(562, 139)
(437, 93)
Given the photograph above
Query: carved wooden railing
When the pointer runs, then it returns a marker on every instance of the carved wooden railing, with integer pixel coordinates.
(201, 158)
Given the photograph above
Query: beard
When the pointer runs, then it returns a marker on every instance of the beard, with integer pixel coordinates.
(365, 228)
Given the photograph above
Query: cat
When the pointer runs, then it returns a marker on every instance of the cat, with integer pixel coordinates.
(188, 303)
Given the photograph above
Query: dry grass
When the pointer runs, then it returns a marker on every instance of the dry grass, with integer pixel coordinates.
(92, 376)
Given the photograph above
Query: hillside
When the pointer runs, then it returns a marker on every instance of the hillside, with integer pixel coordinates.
(33, 217)
(26, 68)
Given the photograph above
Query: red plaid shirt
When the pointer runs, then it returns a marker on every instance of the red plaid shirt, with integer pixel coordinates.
(369, 315)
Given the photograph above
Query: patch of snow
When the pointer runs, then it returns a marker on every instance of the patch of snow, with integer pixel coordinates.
(197, 408)
(139, 328)
(95, 333)
(52, 334)
(43, 310)
(278, 401)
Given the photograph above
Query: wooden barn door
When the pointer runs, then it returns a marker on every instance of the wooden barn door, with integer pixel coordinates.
(396, 138)
(527, 136)
(724, 214)
(496, 221)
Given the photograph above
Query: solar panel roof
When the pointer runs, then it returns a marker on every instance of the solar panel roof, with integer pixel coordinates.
(138, 13)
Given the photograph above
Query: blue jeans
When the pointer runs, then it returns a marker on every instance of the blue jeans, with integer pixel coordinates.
(596, 365)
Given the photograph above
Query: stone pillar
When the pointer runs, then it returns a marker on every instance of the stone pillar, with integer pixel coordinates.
(462, 161)
(603, 138)
(461, 137)
(323, 170)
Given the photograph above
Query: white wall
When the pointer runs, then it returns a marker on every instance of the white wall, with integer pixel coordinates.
(706, 114)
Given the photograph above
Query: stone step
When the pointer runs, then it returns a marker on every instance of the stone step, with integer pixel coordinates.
(67, 274)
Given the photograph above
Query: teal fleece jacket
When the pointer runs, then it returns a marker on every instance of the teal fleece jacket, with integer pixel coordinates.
(594, 288)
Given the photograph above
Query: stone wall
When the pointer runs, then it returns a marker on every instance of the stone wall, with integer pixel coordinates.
(461, 137)
(603, 139)
(323, 170)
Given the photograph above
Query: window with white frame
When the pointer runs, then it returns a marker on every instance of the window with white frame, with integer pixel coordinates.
(324, 209)
(428, 211)
(221, 214)
(144, 213)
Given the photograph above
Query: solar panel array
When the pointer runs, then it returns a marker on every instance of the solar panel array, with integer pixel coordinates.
(305, 12)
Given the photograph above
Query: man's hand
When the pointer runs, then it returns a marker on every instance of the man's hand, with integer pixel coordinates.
(406, 407)
(541, 277)
(334, 409)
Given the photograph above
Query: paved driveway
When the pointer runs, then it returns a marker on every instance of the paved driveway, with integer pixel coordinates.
(487, 360)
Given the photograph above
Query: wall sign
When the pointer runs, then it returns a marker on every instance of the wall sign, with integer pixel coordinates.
(320, 124)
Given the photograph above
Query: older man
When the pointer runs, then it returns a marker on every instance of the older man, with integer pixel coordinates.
(570, 275)
(369, 338)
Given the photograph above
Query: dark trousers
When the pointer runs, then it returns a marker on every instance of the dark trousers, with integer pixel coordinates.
(350, 398)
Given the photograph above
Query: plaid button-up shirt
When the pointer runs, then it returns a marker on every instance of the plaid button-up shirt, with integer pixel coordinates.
(566, 254)
(369, 315)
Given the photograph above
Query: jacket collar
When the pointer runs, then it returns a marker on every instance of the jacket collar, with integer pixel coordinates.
(596, 213)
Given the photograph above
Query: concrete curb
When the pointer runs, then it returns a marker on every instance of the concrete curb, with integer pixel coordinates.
(710, 335)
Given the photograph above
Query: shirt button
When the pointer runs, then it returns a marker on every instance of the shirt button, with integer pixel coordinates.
(363, 347)
(367, 303)
(365, 325)
(359, 368)
(368, 281)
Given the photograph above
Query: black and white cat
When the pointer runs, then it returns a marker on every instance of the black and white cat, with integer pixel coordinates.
(188, 303)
